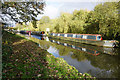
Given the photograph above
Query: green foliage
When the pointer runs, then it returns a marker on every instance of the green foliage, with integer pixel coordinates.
(27, 11)
(44, 19)
(106, 15)
(34, 24)
(104, 20)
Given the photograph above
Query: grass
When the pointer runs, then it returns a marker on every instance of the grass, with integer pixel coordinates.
(22, 58)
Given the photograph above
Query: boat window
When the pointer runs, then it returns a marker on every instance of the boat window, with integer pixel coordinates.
(65, 35)
(91, 37)
(74, 35)
(54, 34)
(58, 35)
(70, 35)
(98, 37)
(79, 36)
(51, 33)
(62, 35)
(84, 37)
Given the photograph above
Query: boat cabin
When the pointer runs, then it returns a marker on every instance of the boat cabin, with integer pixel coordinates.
(79, 36)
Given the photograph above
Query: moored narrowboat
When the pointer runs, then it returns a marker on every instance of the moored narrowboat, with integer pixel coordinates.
(93, 39)
(39, 33)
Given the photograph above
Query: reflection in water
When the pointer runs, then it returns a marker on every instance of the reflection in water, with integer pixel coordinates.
(104, 63)
(38, 37)
(94, 50)
(90, 51)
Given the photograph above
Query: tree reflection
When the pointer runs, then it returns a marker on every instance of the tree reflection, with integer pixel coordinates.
(107, 63)
(44, 44)
(79, 55)
(63, 51)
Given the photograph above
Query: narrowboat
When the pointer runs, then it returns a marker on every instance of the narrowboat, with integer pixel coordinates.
(92, 39)
(39, 33)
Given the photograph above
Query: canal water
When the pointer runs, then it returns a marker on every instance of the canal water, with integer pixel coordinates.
(100, 62)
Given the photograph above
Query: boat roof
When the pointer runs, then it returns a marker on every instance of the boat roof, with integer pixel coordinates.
(77, 34)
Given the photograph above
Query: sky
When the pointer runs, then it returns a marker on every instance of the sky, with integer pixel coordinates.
(53, 8)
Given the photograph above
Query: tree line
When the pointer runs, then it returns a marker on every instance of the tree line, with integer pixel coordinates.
(104, 20)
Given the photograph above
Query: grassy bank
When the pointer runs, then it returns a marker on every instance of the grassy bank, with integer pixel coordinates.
(22, 58)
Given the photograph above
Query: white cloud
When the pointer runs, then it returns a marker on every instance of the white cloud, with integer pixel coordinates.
(51, 11)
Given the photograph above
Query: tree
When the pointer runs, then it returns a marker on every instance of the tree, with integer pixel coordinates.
(43, 23)
(34, 24)
(44, 19)
(92, 24)
(21, 11)
(107, 16)
(63, 21)
(104, 20)
(79, 19)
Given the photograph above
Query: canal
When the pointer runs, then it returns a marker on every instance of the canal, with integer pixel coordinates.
(100, 62)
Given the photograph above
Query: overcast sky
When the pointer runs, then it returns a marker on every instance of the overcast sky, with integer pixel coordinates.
(53, 8)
